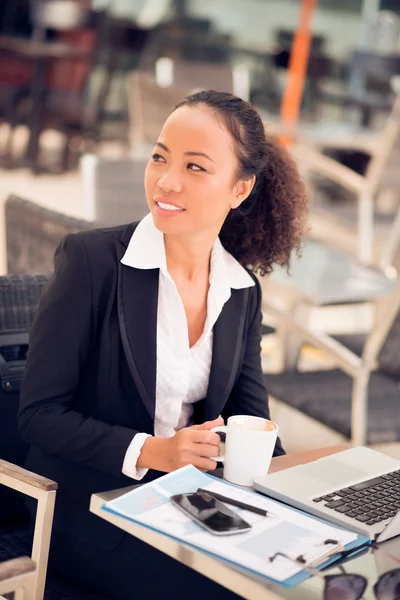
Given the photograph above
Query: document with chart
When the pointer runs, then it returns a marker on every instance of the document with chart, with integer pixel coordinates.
(284, 529)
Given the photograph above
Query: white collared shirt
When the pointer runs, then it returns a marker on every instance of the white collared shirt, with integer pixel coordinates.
(182, 372)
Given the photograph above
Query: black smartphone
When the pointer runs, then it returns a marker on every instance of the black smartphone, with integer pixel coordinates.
(211, 514)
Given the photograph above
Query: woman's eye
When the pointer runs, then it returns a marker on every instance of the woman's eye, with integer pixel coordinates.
(157, 158)
(194, 167)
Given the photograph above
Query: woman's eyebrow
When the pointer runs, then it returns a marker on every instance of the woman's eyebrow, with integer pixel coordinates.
(164, 147)
(199, 154)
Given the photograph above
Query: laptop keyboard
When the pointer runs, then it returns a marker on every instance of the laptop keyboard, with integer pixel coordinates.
(369, 502)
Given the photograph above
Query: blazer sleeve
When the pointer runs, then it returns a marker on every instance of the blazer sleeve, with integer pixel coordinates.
(60, 343)
(249, 395)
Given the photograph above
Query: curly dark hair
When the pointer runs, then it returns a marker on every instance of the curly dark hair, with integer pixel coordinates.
(270, 223)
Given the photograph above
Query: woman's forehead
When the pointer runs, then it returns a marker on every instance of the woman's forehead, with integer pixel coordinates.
(196, 125)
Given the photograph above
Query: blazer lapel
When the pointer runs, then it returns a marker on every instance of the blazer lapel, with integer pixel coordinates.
(227, 344)
(137, 315)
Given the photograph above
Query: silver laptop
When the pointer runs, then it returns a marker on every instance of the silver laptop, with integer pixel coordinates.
(358, 489)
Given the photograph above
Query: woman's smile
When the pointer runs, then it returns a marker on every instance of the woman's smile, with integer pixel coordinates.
(167, 208)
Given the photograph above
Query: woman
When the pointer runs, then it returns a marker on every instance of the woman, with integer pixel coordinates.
(147, 333)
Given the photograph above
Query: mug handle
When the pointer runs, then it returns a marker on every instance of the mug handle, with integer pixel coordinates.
(221, 430)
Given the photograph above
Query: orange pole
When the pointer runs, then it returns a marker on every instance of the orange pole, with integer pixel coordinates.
(300, 51)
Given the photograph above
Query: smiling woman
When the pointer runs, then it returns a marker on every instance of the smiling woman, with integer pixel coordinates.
(216, 171)
(148, 336)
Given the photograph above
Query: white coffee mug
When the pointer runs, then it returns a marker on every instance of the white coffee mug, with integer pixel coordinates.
(248, 448)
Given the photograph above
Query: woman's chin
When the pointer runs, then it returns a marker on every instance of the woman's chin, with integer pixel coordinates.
(167, 223)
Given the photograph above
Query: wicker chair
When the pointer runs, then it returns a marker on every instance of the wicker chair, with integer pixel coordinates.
(19, 298)
(33, 233)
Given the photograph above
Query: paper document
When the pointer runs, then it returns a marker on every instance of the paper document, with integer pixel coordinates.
(283, 530)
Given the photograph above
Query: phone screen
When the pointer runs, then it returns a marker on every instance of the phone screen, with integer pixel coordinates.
(212, 514)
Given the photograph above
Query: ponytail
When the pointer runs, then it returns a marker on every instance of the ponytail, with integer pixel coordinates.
(270, 223)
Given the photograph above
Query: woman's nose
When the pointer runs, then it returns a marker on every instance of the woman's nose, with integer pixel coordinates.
(170, 182)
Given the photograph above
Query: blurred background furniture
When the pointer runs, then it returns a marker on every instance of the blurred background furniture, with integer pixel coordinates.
(321, 278)
(114, 195)
(368, 92)
(200, 75)
(183, 36)
(61, 69)
(113, 189)
(15, 78)
(319, 66)
(360, 398)
(193, 75)
(380, 174)
(149, 106)
(364, 99)
(33, 234)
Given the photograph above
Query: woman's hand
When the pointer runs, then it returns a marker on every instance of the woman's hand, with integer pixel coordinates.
(189, 446)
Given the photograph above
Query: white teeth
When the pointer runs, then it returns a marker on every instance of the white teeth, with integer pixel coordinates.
(168, 206)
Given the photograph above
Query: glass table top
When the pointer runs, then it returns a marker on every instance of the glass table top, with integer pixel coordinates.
(324, 275)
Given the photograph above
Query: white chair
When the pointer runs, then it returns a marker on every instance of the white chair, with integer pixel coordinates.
(359, 397)
(18, 576)
(379, 175)
(44, 491)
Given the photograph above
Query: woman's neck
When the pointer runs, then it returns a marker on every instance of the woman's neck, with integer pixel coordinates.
(188, 259)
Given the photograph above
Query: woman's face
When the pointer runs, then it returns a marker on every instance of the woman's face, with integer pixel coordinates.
(190, 179)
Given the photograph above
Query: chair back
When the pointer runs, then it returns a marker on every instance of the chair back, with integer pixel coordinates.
(149, 107)
(382, 347)
(389, 355)
(19, 299)
(33, 234)
(114, 189)
(384, 150)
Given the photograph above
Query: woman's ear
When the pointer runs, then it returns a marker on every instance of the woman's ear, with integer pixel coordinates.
(242, 191)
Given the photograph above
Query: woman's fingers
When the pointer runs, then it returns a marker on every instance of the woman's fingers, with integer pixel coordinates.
(192, 446)
(206, 450)
(205, 437)
(205, 464)
(209, 424)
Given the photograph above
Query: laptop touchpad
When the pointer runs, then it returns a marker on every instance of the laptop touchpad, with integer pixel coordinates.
(334, 473)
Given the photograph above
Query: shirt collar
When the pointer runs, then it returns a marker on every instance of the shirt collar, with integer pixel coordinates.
(146, 250)
(146, 247)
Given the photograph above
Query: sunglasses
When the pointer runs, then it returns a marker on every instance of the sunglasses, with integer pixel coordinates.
(350, 586)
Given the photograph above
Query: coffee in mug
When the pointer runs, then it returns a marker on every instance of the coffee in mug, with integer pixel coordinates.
(269, 425)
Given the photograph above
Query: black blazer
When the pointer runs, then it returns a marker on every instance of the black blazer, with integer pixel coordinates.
(90, 378)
